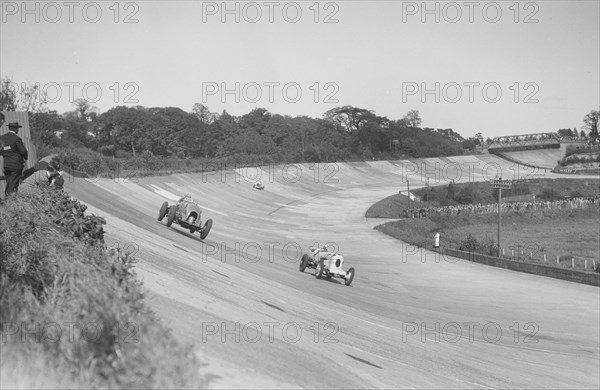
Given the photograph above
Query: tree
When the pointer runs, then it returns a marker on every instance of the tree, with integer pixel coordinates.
(412, 118)
(353, 119)
(450, 134)
(46, 127)
(256, 120)
(129, 129)
(479, 138)
(566, 133)
(591, 123)
(471, 142)
(8, 95)
(25, 97)
(84, 109)
(32, 99)
(203, 114)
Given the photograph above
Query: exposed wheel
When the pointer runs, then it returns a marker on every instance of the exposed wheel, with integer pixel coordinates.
(304, 262)
(319, 269)
(206, 229)
(171, 215)
(163, 211)
(349, 276)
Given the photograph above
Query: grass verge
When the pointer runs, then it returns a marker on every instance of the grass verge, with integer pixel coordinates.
(72, 313)
(525, 236)
(473, 193)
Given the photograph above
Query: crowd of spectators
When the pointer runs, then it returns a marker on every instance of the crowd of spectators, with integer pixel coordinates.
(526, 138)
(587, 140)
(544, 137)
(534, 205)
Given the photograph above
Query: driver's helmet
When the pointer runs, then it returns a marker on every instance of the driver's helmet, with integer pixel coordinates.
(324, 248)
(187, 198)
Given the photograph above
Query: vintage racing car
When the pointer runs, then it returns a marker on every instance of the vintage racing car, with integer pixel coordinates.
(186, 214)
(258, 186)
(326, 263)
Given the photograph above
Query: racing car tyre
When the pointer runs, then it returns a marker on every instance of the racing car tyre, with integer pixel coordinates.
(304, 262)
(204, 232)
(163, 211)
(349, 278)
(171, 215)
(319, 269)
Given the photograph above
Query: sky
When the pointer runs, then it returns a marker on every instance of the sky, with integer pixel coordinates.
(499, 68)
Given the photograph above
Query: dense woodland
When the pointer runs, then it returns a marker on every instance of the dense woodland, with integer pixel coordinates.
(342, 133)
(159, 134)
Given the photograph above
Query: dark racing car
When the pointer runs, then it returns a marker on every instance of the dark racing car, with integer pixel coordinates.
(186, 214)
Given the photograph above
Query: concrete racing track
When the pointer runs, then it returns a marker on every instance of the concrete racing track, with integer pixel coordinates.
(407, 320)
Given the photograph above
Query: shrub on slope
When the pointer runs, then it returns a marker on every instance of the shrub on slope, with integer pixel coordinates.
(71, 312)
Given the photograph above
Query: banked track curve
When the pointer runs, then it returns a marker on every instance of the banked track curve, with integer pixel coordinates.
(377, 333)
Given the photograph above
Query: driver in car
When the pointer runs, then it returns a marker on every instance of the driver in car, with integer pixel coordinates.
(321, 252)
(184, 200)
(187, 198)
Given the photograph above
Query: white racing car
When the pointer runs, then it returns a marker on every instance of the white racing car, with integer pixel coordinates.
(326, 263)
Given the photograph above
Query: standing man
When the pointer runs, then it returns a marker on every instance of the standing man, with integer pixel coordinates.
(2, 119)
(15, 155)
(436, 242)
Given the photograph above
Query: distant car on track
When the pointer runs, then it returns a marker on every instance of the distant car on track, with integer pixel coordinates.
(326, 263)
(186, 214)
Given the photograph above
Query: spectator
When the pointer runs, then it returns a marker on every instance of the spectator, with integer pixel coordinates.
(15, 155)
(51, 166)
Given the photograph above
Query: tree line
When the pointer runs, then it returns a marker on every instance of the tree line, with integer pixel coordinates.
(342, 134)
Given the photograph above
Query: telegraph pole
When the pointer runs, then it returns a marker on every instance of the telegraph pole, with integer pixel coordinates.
(500, 185)
(408, 189)
(499, 217)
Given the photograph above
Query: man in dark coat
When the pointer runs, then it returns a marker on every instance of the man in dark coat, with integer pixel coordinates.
(14, 154)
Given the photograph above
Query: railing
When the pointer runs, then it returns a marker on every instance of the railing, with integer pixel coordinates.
(530, 254)
(590, 278)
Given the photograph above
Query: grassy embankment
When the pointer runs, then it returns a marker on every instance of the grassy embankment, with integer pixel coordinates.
(564, 233)
(72, 313)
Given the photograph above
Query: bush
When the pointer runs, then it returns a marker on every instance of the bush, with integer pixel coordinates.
(56, 269)
(471, 193)
(470, 244)
(548, 194)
